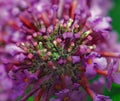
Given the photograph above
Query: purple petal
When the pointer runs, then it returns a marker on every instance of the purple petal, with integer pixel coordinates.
(116, 78)
(101, 98)
(77, 36)
(67, 35)
(100, 62)
(90, 70)
(75, 59)
(13, 49)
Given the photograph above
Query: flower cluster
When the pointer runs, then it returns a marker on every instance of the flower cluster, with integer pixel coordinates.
(57, 50)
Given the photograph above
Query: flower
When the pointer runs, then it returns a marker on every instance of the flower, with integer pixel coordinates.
(101, 98)
(67, 35)
(5, 85)
(50, 49)
(76, 59)
(113, 74)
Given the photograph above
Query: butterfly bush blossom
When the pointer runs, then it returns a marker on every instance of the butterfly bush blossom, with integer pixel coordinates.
(57, 50)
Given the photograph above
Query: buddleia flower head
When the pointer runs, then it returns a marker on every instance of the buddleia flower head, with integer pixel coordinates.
(53, 50)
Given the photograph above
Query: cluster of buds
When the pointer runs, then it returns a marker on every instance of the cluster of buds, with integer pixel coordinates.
(53, 49)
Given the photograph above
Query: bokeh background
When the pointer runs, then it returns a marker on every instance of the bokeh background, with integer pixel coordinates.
(115, 14)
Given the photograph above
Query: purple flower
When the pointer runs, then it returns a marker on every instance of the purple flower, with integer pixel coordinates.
(83, 49)
(6, 84)
(75, 59)
(102, 24)
(100, 62)
(98, 85)
(116, 78)
(69, 95)
(61, 61)
(99, 7)
(101, 98)
(67, 35)
(20, 57)
(54, 48)
(113, 75)
(13, 49)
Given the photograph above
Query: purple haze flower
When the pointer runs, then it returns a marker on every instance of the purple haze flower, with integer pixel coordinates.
(53, 48)
(101, 98)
